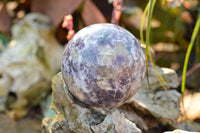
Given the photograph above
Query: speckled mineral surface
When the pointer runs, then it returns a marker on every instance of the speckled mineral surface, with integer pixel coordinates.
(103, 65)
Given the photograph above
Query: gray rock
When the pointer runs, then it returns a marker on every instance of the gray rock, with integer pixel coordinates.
(170, 77)
(28, 64)
(162, 104)
(75, 116)
(115, 122)
(179, 131)
(188, 126)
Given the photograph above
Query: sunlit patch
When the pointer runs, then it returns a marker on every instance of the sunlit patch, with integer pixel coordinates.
(12, 43)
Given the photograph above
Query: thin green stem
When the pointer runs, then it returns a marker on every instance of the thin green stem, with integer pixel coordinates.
(194, 35)
(142, 22)
(151, 7)
(152, 4)
(159, 77)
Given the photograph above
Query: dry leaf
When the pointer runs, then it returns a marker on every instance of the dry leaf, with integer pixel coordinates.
(5, 21)
(55, 9)
(91, 14)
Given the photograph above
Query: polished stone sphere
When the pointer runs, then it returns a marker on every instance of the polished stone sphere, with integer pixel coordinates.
(103, 65)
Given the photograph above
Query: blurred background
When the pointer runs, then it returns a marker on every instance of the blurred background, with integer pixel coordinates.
(172, 25)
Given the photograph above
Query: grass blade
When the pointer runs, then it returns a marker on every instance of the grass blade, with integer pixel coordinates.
(152, 4)
(142, 22)
(151, 7)
(194, 35)
(157, 74)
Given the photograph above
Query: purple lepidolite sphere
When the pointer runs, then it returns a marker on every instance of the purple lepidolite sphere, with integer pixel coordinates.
(103, 65)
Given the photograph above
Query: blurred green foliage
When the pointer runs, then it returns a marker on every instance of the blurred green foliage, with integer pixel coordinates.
(4, 39)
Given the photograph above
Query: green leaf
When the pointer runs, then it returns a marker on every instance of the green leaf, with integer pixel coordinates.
(193, 38)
